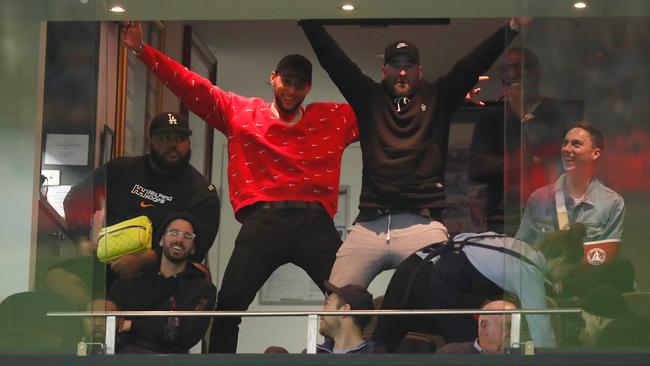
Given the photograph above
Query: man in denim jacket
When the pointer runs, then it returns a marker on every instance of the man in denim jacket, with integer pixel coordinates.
(578, 193)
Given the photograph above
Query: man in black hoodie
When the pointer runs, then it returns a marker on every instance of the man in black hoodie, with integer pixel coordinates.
(404, 128)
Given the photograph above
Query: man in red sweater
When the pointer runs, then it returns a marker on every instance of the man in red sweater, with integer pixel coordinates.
(283, 173)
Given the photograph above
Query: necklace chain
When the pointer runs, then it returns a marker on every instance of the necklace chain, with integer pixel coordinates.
(291, 123)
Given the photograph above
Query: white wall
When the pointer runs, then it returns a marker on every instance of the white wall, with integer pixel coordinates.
(247, 51)
(21, 98)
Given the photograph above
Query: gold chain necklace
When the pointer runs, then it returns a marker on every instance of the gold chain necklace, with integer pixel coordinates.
(291, 123)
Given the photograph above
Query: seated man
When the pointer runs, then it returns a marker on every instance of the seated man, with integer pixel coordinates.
(577, 196)
(470, 269)
(492, 330)
(608, 322)
(344, 333)
(174, 283)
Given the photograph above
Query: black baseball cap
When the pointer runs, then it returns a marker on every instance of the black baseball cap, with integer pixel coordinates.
(169, 122)
(356, 296)
(404, 47)
(295, 65)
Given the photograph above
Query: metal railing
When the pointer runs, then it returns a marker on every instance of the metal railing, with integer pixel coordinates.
(312, 318)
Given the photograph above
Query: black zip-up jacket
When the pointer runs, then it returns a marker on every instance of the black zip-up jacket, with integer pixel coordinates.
(404, 152)
(151, 291)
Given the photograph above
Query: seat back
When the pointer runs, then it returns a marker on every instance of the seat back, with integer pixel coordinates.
(26, 328)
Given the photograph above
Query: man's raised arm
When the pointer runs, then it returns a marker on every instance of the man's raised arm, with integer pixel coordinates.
(197, 93)
(460, 80)
(347, 76)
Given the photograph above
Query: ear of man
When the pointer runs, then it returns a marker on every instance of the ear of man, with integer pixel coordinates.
(483, 324)
(272, 78)
(595, 155)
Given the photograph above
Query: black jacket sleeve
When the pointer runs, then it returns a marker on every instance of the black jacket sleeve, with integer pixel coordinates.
(178, 334)
(486, 164)
(465, 73)
(348, 77)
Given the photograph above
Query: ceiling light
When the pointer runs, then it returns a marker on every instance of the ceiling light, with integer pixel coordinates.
(117, 9)
(580, 5)
(347, 7)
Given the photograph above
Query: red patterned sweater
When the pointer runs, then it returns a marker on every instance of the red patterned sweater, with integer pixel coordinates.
(268, 160)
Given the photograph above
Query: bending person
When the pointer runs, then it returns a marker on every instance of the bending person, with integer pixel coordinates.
(470, 270)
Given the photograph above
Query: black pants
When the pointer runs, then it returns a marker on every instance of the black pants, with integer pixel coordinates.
(268, 239)
(452, 283)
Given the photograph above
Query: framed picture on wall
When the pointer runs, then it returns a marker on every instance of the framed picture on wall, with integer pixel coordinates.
(106, 145)
(198, 57)
(139, 96)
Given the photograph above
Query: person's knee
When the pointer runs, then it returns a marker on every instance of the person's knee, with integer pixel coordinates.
(68, 286)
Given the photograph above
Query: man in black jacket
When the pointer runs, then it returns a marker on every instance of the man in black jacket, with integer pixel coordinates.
(404, 127)
(173, 284)
(515, 144)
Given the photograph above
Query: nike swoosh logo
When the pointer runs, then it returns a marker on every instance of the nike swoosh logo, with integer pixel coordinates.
(145, 205)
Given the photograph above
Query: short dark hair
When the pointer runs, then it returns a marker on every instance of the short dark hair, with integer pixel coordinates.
(565, 243)
(357, 297)
(597, 137)
(361, 321)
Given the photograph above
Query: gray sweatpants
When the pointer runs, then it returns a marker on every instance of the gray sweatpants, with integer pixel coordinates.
(381, 244)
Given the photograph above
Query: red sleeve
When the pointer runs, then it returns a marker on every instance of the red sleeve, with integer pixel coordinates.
(83, 200)
(197, 93)
(350, 120)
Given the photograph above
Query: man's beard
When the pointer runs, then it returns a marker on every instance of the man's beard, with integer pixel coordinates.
(167, 252)
(171, 167)
(390, 88)
(284, 111)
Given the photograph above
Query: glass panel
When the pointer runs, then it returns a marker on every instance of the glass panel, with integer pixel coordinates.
(65, 140)
(590, 71)
(60, 73)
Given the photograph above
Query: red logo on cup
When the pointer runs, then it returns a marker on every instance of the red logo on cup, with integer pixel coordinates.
(596, 256)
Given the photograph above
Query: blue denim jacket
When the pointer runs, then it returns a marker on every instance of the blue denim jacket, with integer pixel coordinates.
(601, 212)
